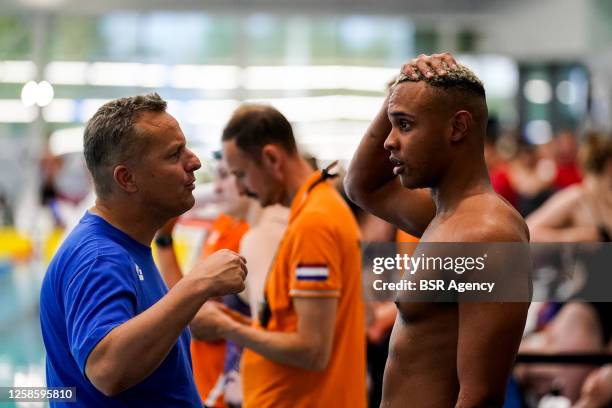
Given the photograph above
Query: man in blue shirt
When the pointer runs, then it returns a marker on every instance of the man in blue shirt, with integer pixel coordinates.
(110, 326)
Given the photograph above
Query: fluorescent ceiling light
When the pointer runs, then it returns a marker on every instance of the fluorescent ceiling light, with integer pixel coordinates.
(537, 91)
(318, 77)
(67, 73)
(209, 111)
(13, 111)
(538, 131)
(114, 74)
(18, 72)
(154, 75)
(204, 76)
(216, 112)
(29, 93)
(45, 93)
(65, 141)
(61, 110)
(320, 108)
(88, 107)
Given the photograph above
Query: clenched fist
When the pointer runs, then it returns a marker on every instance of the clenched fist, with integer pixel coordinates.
(221, 273)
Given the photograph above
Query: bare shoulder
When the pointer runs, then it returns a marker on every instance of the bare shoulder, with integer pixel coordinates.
(572, 193)
(568, 197)
(488, 218)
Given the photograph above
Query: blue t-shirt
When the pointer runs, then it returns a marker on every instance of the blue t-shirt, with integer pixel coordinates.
(99, 279)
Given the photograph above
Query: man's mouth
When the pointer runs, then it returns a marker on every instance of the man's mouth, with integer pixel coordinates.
(398, 166)
(191, 184)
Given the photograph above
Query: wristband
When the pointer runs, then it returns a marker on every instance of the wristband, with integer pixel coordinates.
(163, 241)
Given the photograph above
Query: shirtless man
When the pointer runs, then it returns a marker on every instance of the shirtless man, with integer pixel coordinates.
(429, 133)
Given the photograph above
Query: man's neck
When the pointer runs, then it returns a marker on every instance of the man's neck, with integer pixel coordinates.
(249, 212)
(463, 180)
(297, 173)
(127, 219)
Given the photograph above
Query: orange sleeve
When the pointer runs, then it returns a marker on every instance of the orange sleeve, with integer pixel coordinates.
(315, 269)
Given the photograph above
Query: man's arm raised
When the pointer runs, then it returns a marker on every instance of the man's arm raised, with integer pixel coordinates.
(133, 350)
(370, 181)
(371, 184)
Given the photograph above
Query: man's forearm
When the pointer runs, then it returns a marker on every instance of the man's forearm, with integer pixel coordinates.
(284, 348)
(168, 265)
(370, 167)
(468, 399)
(133, 350)
(571, 234)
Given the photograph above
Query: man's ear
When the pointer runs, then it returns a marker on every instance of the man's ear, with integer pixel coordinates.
(125, 179)
(461, 124)
(272, 159)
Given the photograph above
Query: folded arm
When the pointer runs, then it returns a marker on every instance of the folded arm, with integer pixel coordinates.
(309, 347)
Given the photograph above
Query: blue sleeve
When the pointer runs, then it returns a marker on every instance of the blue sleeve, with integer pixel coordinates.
(99, 298)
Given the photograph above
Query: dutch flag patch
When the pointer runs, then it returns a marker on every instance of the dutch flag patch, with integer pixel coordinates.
(312, 272)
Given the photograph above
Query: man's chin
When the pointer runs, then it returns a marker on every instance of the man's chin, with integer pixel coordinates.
(265, 203)
(189, 203)
(406, 182)
(411, 183)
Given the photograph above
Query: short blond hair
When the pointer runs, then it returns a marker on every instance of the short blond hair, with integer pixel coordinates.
(461, 79)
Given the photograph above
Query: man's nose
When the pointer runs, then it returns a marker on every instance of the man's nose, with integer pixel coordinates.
(193, 163)
(242, 191)
(217, 188)
(391, 142)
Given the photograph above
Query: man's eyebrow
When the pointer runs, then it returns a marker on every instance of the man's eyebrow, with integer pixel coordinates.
(175, 145)
(399, 114)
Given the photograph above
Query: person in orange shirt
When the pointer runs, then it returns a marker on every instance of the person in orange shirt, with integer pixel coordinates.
(226, 232)
(307, 347)
(208, 357)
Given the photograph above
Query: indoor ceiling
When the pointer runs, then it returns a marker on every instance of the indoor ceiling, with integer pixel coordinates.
(444, 7)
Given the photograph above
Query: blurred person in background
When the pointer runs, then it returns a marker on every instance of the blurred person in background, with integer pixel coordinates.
(307, 346)
(244, 227)
(596, 391)
(110, 326)
(579, 213)
(226, 231)
(531, 177)
(50, 166)
(258, 246)
(6, 213)
(497, 166)
(576, 327)
(582, 212)
(66, 189)
(566, 159)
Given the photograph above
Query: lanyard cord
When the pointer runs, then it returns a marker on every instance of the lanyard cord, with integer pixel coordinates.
(325, 175)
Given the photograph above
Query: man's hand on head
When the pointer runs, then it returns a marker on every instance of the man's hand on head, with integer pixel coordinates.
(428, 65)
